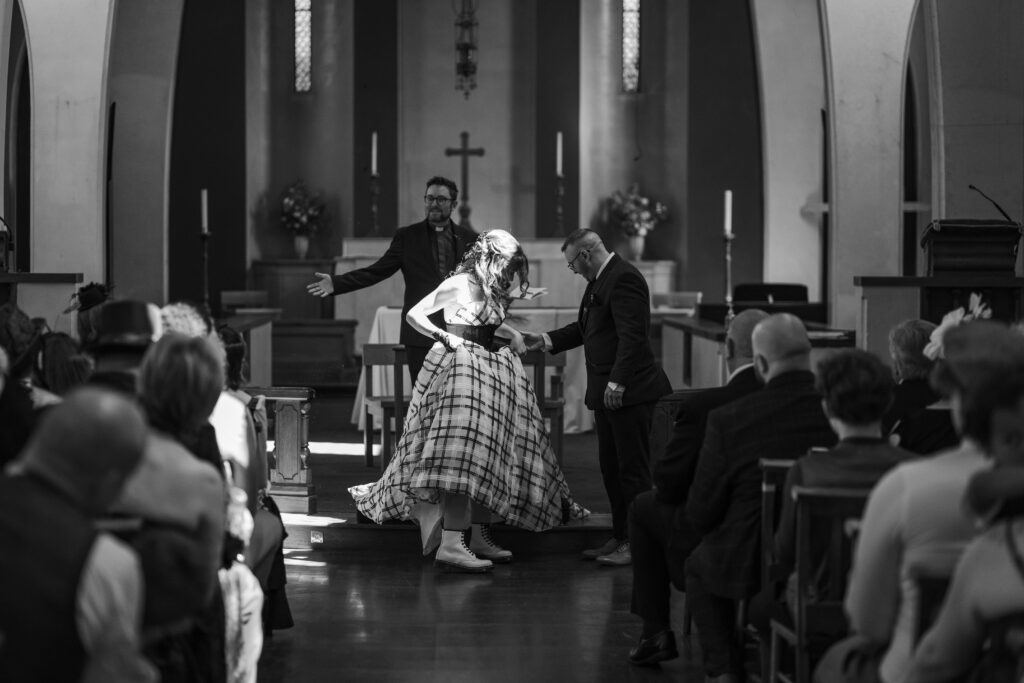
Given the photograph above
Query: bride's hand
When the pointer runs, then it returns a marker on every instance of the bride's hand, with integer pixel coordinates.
(517, 344)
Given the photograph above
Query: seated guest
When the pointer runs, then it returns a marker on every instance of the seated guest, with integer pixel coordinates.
(120, 333)
(86, 303)
(919, 418)
(17, 418)
(23, 339)
(914, 518)
(61, 364)
(988, 584)
(783, 420)
(72, 601)
(856, 389)
(659, 534)
(181, 501)
(265, 554)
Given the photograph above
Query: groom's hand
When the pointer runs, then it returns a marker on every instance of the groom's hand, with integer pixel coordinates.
(534, 341)
(613, 395)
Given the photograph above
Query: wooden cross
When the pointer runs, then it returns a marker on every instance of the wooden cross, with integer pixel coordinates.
(465, 152)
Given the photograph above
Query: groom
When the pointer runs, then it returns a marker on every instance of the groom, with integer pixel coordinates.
(623, 381)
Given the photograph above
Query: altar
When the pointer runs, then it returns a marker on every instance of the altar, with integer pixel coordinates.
(578, 418)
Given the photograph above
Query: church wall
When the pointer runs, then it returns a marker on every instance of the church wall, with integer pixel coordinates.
(6, 17)
(981, 90)
(432, 114)
(792, 88)
(258, 162)
(724, 147)
(375, 109)
(866, 59)
(68, 45)
(143, 58)
(556, 77)
(208, 151)
(311, 132)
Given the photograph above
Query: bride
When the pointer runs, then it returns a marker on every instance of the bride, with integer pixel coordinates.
(474, 445)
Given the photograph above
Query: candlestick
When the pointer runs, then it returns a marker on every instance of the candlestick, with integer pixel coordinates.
(728, 213)
(559, 201)
(558, 154)
(203, 201)
(373, 153)
(728, 237)
(374, 198)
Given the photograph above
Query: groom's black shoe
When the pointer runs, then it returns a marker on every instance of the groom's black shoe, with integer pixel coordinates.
(658, 648)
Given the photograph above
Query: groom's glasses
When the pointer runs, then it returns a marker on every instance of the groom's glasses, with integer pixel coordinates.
(571, 265)
(440, 201)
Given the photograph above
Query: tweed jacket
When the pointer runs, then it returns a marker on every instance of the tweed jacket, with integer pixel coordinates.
(411, 251)
(783, 420)
(673, 472)
(614, 328)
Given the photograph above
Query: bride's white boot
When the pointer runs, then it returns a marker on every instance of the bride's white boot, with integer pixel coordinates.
(455, 555)
(482, 545)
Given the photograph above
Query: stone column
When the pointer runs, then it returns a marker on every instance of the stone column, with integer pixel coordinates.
(866, 48)
(787, 35)
(68, 49)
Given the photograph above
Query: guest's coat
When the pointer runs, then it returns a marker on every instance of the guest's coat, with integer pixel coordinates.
(783, 420)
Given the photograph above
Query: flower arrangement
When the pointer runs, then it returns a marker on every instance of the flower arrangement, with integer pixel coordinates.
(302, 212)
(636, 215)
(977, 310)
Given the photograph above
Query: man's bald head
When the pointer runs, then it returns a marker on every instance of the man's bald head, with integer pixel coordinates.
(781, 345)
(738, 343)
(87, 446)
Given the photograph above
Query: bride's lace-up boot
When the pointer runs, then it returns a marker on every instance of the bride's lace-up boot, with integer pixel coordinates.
(482, 544)
(455, 555)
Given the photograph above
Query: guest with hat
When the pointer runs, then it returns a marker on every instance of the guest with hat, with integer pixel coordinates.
(124, 331)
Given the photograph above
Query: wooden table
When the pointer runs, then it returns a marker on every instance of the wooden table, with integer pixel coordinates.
(693, 349)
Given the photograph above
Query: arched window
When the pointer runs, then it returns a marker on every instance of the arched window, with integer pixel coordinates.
(631, 46)
(303, 45)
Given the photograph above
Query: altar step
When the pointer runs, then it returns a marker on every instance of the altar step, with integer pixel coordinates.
(344, 532)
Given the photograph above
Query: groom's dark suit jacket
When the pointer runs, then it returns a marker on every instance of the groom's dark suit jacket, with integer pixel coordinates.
(412, 251)
(614, 327)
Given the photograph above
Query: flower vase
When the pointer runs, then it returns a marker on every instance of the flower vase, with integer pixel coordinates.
(635, 247)
(301, 246)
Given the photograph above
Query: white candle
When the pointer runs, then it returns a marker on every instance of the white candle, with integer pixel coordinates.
(558, 154)
(728, 213)
(373, 153)
(206, 220)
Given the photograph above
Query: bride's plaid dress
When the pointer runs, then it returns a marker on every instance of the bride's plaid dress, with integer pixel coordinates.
(473, 427)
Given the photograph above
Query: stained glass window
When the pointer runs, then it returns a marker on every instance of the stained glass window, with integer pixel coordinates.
(631, 45)
(303, 45)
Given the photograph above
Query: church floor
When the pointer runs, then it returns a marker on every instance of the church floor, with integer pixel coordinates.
(389, 615)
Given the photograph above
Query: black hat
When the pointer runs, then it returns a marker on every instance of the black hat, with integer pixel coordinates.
(124, 324)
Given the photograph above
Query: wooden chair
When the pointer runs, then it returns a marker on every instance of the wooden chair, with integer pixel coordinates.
(551, 402)
(825, 614)
(389, 408)
(773, 478)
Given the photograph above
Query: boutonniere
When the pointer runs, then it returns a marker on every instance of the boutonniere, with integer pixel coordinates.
(592, 301)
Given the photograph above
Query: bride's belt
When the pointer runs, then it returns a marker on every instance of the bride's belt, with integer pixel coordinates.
(478, 334)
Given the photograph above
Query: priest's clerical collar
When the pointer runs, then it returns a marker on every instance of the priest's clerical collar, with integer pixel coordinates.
(440, 228)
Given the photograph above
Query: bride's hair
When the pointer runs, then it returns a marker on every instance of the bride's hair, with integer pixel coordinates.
(493, 260)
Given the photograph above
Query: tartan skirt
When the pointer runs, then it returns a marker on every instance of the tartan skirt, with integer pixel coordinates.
(473, 427)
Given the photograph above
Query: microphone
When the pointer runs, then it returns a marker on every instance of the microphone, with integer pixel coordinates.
(1005, 215)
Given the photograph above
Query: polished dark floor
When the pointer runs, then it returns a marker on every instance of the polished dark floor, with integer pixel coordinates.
(390, 615)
